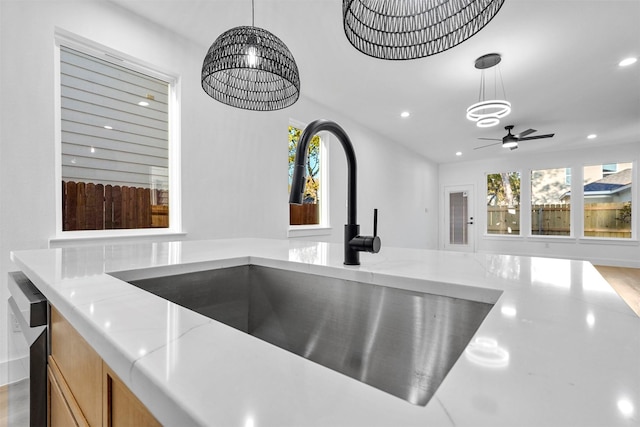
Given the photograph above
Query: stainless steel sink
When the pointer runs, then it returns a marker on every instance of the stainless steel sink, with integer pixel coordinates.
(399, 341)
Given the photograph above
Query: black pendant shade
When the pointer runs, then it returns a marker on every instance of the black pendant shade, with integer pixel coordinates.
(401, 29)
(250, 68)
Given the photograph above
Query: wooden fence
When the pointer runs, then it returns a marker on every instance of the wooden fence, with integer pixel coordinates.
(306, 214)
(88, 206)
(551, 220)
(600, 220)
(606, 220)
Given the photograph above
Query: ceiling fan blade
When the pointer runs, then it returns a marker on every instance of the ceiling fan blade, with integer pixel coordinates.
(525, 133)
(549, 135)
(492, 139)
(485, 146)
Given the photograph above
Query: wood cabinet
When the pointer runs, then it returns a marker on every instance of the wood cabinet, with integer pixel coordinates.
(77, 368)
(83, 390)
(60, 412)
(122, 408)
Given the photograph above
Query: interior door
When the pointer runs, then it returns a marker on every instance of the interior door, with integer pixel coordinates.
(459, 218)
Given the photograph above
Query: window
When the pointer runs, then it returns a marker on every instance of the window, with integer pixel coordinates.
(608, 201)
(550, 210)
(503, 203)
(115, 143)
(458, 218)
(567, 176)
(313, 211)
(609, 169)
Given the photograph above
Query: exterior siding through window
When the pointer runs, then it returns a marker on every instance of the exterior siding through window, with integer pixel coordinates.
(114, 134)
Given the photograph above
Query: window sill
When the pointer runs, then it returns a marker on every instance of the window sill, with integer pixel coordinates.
(609, 241)
(501, 236)
(565, 239)
(308, 230)
(548, 239)
(83, 238)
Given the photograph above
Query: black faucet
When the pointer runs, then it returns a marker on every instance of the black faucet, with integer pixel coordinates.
(353, 242)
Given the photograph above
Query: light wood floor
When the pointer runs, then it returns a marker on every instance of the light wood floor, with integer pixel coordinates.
(3, 406)
(19, 416)
(625, 281)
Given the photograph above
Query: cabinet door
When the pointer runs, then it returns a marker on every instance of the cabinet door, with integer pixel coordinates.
(121, 407)
(60, 412)
(83, 390)
(80, 367)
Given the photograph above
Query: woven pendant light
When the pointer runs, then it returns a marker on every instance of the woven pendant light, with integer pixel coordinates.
(250, 68)
(401, 29)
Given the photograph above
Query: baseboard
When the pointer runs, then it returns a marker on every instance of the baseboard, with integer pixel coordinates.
(615, 263)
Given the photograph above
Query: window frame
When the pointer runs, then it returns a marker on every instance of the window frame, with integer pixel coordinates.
(486, 233)
(635, 223)
(568, 173)
(324, 228)
(81, 44)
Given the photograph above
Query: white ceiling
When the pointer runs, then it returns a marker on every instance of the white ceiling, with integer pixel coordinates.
(559, 69)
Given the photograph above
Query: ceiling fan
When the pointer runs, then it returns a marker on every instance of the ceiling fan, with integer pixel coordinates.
(511, 141)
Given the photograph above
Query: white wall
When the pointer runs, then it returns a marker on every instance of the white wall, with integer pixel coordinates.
(234, 162)
(620, 252)
(245, 185)
(399, 183)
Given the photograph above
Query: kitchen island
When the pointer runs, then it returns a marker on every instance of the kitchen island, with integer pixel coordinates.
(558, 348)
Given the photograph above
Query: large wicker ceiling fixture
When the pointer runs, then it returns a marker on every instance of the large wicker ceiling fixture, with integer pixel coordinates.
(250, 68)
(410, 29)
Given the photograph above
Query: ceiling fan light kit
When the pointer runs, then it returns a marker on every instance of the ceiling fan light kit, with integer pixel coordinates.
(252, 69)
(511, 141)
(510, 144)
(487, 113)
(401, 30)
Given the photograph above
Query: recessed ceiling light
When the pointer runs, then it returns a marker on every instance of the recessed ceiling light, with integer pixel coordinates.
(459, 153)
(405, 114)
(108, 127)
(592, 136)
(627, 61)
(626, 407)
(143, 103)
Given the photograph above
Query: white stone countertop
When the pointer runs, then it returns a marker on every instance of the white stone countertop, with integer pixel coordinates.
(559, 348)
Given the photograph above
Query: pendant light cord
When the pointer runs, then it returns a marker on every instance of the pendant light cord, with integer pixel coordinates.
(253, 12)
(504, 92)
(482, 91)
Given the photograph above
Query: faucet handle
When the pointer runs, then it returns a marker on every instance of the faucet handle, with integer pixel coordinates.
(368, 243)
(375, 222)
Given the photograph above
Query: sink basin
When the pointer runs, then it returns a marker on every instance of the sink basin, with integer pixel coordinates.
(402, 342)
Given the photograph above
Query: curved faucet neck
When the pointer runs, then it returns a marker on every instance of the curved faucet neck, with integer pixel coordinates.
(302, 150)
